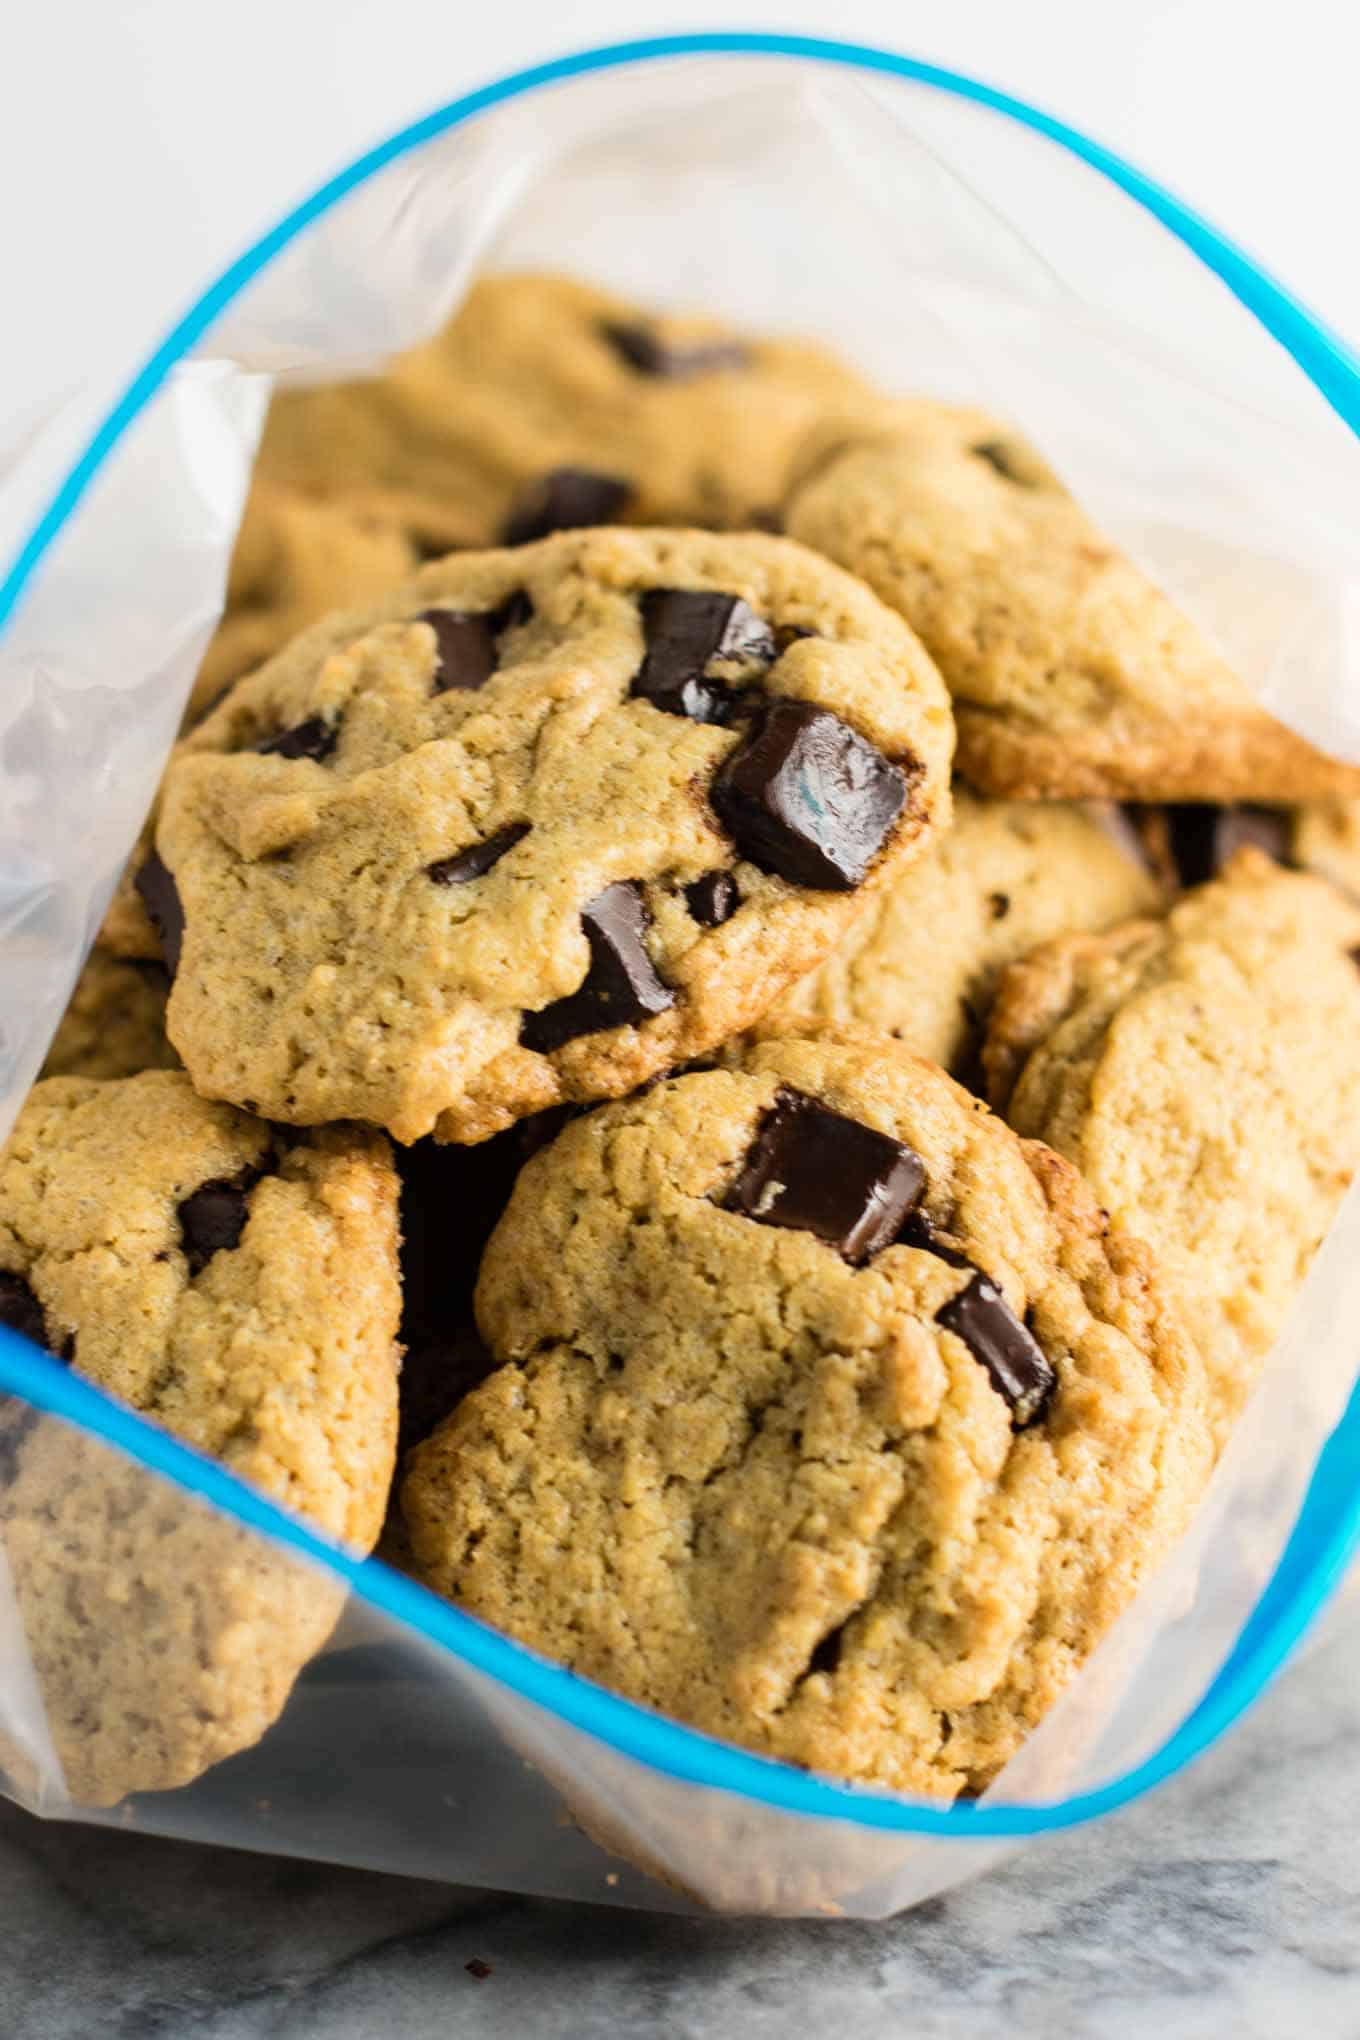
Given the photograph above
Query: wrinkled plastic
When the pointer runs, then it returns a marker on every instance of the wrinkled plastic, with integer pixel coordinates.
(789, 197)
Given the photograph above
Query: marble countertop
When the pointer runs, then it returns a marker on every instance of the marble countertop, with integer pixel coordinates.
(1225, 1908)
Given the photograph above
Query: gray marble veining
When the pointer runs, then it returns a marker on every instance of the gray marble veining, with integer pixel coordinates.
(1225, 1908)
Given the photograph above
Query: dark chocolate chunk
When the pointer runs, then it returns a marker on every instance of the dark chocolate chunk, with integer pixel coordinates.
(808, 798)
(213, 1217)
(160, 897)
(1000, 905)
(816, 1171)
(1020, 1370)
(643, 349)
(919, 1232)
(21, 1310)
(566, 499)
(1005, 459)
(478, 858)
(465, 649)
(1202, 838)
(713, 899)
(687, 629)
(315, 738)
(621, 985)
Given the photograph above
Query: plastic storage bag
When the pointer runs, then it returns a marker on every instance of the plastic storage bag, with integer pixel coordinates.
(844, 198)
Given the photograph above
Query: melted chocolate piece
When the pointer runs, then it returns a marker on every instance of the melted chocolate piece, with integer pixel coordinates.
(213, 1217)
(465, 649)
(643, 349)
(713, 899)
(478, 858)
(1020, 1370)
(566, 499)
(808, 798)
(22, 1312)
(919, 1232)
(1202, 838)
(816, 1171)
(687, 629)
(160, 897)
(621, 985)
(315, 738)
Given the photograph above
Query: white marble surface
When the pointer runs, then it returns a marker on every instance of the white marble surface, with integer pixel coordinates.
(1227, 1908)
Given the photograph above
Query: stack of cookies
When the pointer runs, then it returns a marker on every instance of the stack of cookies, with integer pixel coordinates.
(727, 1031)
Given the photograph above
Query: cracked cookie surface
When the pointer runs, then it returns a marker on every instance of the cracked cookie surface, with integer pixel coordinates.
(1073, 676)
(922, 961)
(831, 1418)
(1203, 1072)
(542, 823)
(240, 1289)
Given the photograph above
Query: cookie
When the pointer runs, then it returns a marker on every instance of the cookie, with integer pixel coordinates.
(1204, 1074)
(1072, 675)
(115, 1023)
(240, 1289)
(831, 1418)
(922, 961)
(540, 824)
(296, 558)
(547, 403)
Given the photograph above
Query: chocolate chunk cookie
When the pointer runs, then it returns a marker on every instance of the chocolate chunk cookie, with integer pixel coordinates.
(547, 404)
(922, 961)
(433, 867)
(831, 1418)
(1072, 675)
(240, 1288)
(1204, 1074)
(115, 1023)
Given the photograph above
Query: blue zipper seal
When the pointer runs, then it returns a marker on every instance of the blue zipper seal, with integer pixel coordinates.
(1327, 1531)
